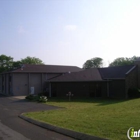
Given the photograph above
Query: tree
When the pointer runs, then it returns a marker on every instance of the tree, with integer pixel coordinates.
(6, 63)
(96, 62)
(16, 64)
(31, 60)
(121, 61)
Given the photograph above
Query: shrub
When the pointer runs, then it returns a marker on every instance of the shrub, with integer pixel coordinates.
(133, 93)
(43, 99)
(29, 97)
(37, 98)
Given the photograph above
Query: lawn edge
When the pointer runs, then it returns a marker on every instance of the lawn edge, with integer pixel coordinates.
(67, 132)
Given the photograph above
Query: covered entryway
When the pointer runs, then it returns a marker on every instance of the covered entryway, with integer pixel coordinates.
(78, 89)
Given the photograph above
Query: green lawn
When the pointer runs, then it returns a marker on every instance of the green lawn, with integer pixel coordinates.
(104, 118)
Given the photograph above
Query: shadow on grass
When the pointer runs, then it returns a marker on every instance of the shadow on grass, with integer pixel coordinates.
(99, 101)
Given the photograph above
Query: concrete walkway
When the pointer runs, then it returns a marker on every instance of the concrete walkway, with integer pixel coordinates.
(19, 97)
(7, 133)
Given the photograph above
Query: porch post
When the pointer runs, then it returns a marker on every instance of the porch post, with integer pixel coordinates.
(12, 84)
(50, 94)
(28, 83)
(107, 88)
(41, 81)
(5, 84)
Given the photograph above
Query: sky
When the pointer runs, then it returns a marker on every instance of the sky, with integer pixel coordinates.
(69, 32)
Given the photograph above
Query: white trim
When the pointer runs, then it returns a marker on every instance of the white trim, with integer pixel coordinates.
(131, 70)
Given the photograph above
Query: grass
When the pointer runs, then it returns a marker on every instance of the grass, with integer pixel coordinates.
(104, 118)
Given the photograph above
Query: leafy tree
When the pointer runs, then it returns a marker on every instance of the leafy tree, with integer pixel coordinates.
(96, 62)
(121, 61)
(16, 64)
(31, 60)
(6, 63)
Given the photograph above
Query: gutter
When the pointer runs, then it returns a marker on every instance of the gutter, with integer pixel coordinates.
(77, 81)
(110, 79)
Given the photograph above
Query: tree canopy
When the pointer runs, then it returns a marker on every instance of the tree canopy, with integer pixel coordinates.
(31, 60)
(7, 63)
(17, 64)
(121, 61)
(95, 62)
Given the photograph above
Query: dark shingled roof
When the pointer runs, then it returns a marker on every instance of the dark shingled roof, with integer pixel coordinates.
(85, 75)
(95, 74)
(116, 72)
(46, 69)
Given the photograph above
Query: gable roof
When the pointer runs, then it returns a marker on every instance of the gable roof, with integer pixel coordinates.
(84, 75)
(45, 69)
(95, 74)
(116, 72)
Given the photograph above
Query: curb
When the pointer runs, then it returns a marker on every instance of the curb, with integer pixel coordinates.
(70, 133)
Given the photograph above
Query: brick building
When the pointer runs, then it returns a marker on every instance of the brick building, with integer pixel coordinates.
(57, 81)
(19, 81)
(112, 82)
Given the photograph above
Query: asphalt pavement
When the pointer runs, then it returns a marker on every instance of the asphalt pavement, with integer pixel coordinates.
(14, 128)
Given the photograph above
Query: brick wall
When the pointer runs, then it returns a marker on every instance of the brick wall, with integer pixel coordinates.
(0, 83)
(117, 89)
(131, 80)
(137, 62)
(79, 89)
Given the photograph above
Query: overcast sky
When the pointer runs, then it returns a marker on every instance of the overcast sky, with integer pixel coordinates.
(69, 32)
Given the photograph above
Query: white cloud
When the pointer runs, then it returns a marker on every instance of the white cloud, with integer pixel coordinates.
(21, 30)
(70, 27)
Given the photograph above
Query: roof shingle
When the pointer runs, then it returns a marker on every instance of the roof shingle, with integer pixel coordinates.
(116, 72)
(46, 69)
(95, 74)
(85, 75)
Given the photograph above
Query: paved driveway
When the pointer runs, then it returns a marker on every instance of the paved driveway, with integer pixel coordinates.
(14, 128)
